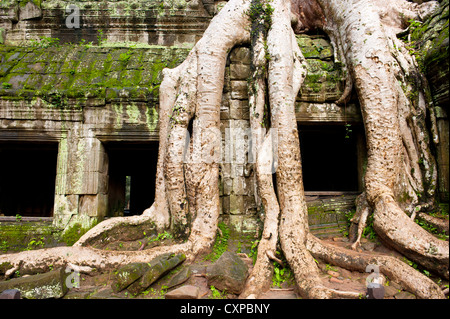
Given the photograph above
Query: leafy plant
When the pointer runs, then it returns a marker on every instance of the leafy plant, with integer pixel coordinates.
(6, 85)
(254, 251)
(368, 231)
(161, 236)
(220, 244)
(280, 275)
(34, 243)
(4, 245)
(45, 42)
(100, 38)
(348, 130)
(217, 294)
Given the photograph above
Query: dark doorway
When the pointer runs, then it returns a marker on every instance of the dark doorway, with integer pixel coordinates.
(329, 157)
(132, 175)
(27, 178)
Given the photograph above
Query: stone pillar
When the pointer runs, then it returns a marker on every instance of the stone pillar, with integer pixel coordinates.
(237, 176)
(81, 192)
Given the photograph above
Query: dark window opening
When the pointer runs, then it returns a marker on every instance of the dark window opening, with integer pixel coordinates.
(27, 178)
(132, 176)
(329, 157)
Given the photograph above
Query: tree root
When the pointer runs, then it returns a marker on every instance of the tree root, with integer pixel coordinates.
(187, 196)
(394, 269)
(32, 262)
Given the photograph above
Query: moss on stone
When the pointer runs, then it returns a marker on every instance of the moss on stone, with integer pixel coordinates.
(77, 71)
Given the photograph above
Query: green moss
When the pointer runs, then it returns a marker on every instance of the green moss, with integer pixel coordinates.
(221, 243)
(74, 232)
(18, 236)
(77, 71)
(23, 3)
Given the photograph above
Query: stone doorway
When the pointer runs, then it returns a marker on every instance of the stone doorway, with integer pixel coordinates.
(132, 175)
(330, 157)
(27, 178)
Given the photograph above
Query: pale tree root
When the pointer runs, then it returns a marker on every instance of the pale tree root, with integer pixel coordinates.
(32, 262)
(363, 211)
(393, 268)
(118, 229)
(381, 97)
(396, 229)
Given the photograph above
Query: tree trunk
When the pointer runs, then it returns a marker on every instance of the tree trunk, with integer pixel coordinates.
(187, 195)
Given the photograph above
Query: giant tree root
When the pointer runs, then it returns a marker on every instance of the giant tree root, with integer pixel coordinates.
(187, 195)
(393, 268)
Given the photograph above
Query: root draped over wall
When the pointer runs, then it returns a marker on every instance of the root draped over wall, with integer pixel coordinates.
(187, 193)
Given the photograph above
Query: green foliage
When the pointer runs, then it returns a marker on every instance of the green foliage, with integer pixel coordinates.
(348, 217)
(281, 274)
(73, 233)
(125, 57)
(6, 85)
(431, 229)
(36, 243)
(217, 294)
(161, 236)
(368, 231)
(348, 130)
(45, 42)
(4, 246)
(100, 38)
(254, 251)
(221, 243)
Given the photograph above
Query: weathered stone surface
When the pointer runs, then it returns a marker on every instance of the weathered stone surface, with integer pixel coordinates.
(315, 47)
(31, 10)
(180, 277)
(241, 55)
(128, 274)
(404, 295)
(42, 286)
(239, 90)
(10, 294)
(228, 273)
(239, 71)
(158, 267)
(184, 292)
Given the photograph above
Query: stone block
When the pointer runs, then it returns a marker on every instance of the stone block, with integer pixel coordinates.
(128, 274)
(42, 286)
(228, 273)
(239, 90)
(237, 204)
(180, 277)
(239, 71)
(226, 204)
(241, 54)
(93, 205)
(10, 294)
(159, 266)
(239, 109)
(244, 224)
(184, 292)
(227, 185)
(239, 185)
(32, 10)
